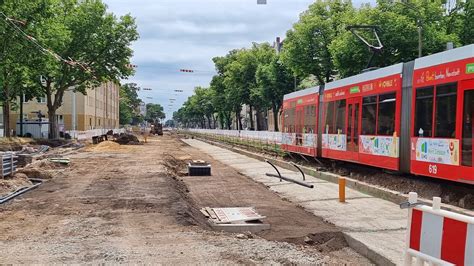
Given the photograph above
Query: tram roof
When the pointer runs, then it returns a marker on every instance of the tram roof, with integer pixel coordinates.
(445, 57)
(367, 76)
(300, 93)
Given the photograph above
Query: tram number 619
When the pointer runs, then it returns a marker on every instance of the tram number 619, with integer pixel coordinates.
(433, 169)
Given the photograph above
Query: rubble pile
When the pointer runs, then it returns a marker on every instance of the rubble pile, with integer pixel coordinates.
(16, 182)
(127, 139)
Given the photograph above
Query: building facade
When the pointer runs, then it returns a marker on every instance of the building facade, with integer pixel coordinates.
(98, 109)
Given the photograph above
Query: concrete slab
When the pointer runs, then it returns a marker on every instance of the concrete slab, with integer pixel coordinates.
(373, 226)
(386, 244)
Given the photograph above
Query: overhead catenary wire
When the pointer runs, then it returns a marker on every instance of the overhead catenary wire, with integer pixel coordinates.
(10, 22)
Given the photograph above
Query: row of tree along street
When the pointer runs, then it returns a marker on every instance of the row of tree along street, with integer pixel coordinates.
(70, 44)
(129, 113)
(320, 48)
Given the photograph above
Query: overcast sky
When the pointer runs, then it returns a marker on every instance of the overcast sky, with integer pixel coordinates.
(187, 34)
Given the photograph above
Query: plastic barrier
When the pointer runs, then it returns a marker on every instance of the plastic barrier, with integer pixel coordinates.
(436, 236)
(88, 134)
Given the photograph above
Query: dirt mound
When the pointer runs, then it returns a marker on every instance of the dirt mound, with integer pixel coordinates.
(10, 185)
(105, 146)
(127, 139)
(43, 169)
(177, 166)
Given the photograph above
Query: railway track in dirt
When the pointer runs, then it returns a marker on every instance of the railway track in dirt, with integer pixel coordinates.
(456, 194)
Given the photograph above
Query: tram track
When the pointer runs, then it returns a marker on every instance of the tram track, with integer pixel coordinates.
(459, 195)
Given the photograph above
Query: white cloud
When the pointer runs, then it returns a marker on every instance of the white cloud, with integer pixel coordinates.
(178, 34)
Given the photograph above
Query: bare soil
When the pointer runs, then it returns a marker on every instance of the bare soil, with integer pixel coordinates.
(453, 193)
(124, 206)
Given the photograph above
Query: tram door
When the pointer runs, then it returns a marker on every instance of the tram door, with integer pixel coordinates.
(299, 125)
(352, 133)
(467, 138)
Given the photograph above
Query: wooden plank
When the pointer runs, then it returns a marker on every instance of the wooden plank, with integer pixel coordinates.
(204, 212)
(211, 213)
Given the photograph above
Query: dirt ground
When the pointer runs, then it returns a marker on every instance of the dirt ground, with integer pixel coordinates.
(121, 204)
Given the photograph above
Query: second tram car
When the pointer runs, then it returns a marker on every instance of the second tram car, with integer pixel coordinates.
(413, 117)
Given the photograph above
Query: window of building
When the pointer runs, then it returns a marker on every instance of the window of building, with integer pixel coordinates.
(386, 114)
(468, 128)
(329, 117)
(340, 116)
(41, 99)
(424, 112)
(369, 115)
(445, 120)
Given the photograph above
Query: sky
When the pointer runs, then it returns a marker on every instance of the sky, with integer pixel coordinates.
(187, 34)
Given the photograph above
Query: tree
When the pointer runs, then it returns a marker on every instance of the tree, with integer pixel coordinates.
(467, 31)
(398, 25)
(154, 113)
(16, 51)
(94, 44)
(129, 103)
(306, 47)
(274, 80)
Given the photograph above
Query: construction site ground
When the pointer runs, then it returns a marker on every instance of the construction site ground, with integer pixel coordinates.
(134, 204)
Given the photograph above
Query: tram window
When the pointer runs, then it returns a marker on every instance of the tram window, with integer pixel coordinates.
(467, 128)
(340, 116)
(289, 121)
(445, 120)
(386, 114)
(310, 119)
(424, 112)
(329, 107)
(369, 113)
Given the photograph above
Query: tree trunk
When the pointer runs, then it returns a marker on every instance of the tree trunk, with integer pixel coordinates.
(209, 122)
(6, 118)
(275, 118)
(259, 121)
(53, 124)
(252, 127)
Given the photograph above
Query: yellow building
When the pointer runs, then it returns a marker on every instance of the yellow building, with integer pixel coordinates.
(99, 109)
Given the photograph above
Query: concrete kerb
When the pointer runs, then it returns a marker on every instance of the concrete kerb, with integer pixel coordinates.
(366, 188)
(374, 191)
(365, 251)
(355, 244)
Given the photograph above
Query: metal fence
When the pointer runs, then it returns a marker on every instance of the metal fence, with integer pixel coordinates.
(8, 165)
(259, 141)
(88, 134)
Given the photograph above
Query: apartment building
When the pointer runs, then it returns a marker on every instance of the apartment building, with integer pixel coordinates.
(99, 109)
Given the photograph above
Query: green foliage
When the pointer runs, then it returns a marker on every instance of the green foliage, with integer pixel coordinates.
(274, 80)
(129, 104)
(85, 32)
(154, 113)
(305, 49)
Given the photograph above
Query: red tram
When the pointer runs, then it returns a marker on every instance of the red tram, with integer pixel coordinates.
(414, 117)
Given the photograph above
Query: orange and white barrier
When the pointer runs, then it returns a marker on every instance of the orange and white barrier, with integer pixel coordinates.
(438, 237)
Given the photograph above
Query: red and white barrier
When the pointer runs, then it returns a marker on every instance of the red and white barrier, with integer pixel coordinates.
(438, 237)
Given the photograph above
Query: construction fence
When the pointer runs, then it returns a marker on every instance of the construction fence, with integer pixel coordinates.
(259, 141)
(88, 134)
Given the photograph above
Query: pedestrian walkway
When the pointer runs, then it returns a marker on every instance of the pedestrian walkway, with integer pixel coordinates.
(372, 223)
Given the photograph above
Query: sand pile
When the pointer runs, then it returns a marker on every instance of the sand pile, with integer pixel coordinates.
(106, 146)
(43, 169)
(10, 185)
